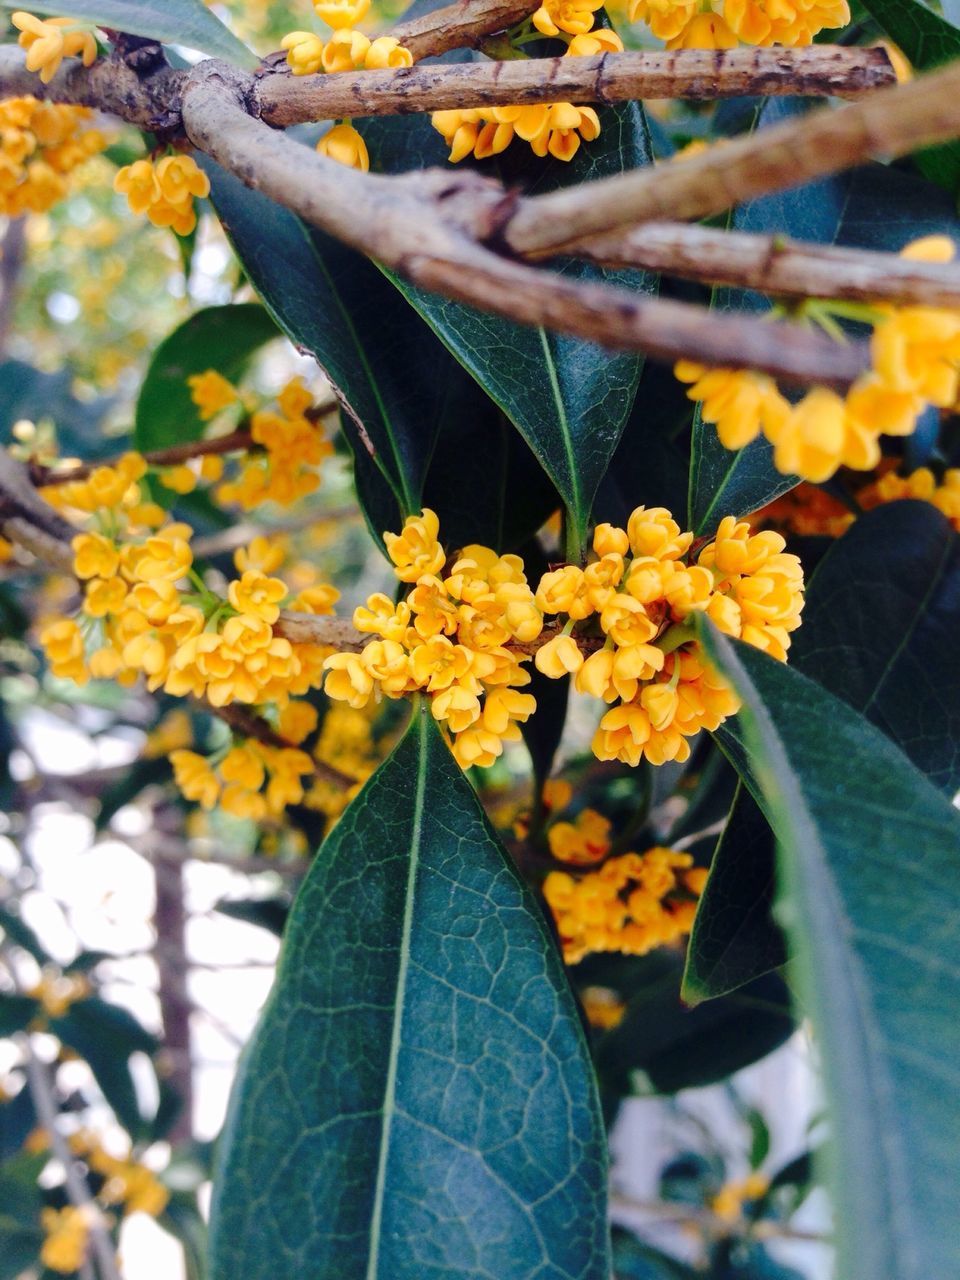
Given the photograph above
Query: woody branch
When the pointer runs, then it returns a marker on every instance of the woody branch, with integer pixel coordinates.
(818, 71)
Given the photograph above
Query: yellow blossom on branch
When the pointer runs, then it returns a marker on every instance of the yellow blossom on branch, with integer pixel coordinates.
(48, 41)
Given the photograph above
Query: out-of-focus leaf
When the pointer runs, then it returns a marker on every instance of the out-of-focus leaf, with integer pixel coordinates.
(220, 338)
(635, 1260)
(184, 1221)
(183, 22)
(105, 1036)
(146, 772)
(871, 898)
(266, 913)
(418, 1100)
(18, 1117)
(26, 392)
(20, 933)
(16, 1013)
(927, 41)
(677, 1047)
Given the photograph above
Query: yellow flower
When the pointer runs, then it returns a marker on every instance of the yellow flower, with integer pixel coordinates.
(94, 556)
(345, 51)
(573, 16)
(138, 182)
(241, 766)
(348, 680)
(179, 479)
(211, 393)
(343, 144)
(180, 179)
(666, 18)
(104, 596)
(416, 550)
(195, 778)
(62, 642)
(602, 40)
(49, 42)
(705, 31)
(256, 594)
(387, 52)
(583, 841)
(559, 657)
(304, 52)
(341, 13)
(297, 721)
(566, 124)
(265, 554)
(67, 1232)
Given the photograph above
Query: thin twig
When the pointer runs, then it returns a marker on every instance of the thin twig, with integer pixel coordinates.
(713, 1223)
(459, 26)
(48, 1114)
(239, 440)
(776, 265)
(818, 71)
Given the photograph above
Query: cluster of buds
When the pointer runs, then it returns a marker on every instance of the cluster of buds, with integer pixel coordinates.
(723, 24)
(915, 353)
(347, 49)
(253, 780)
(48, 41)
(631, 904)
(449, 639)
(633, 606)
(145, 611)
(41, 143)
(921, 485)
(554, 129)
(164, 190)
(291, 445)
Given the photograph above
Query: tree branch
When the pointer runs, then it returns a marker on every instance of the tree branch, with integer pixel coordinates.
(775, 265)
(459, 26)
(891, 122)
(819, 71)
(240, 439)
(426, 226)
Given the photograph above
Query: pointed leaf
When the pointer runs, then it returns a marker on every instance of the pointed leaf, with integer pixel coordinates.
(882, 612)
(869, 857)
(220, 338)
(569, 399)
(184, 22)
(418, 1102)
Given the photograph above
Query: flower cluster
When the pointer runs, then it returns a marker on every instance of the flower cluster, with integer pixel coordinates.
(603, 1008)
(581, 842)
(291, 445)
(632, 903)
(915, 353)
(449, 639)
(634, 605)
(145, 612)
(346, 50)
(807, 511)
(554, 129)
(48, 41)
(723, 24)
(66, 1236)
(922, 485)
(730, 1200)
(164, 190)
(41, 143)
(57, 991)
(252, 780)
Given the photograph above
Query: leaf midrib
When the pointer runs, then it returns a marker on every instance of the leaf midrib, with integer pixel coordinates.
(389, 1106)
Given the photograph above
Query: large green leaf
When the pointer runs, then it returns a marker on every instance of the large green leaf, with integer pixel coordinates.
(871, 898)
(569, 399)
(417, 424)
(220, 338)
(184, 22)
(882, 612)
(928, 41)
(880, 631)
(418, 1102)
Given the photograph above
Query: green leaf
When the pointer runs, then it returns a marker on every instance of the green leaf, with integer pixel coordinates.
(676, 1047)
(20, 934)
(105, 1036)
(569, 399)
(734, 938)
(634, 1259)
(928, 41)
(882, 612)
(220, 338)
(418, 1100)
(412, 416)
(869, 857)
(183, 22)
(880, 627)
(16, 1013)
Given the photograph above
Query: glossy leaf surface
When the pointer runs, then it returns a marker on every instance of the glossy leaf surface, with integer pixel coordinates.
(418, 1102)
(869, 854)
(184, 22)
